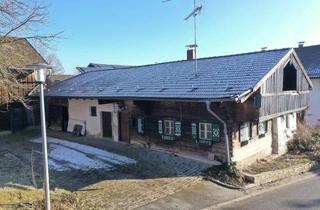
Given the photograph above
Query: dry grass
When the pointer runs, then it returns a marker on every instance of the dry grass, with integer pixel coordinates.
(282, 162)
(20, 197)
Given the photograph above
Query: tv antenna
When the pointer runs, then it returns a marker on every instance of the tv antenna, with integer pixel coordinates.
(195, 12)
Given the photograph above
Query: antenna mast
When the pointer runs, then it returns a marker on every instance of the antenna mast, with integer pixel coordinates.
(194, 13)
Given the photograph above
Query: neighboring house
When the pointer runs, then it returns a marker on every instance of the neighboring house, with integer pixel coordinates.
(245, 105)
(98, 66)
(310, 57)
(19, 54)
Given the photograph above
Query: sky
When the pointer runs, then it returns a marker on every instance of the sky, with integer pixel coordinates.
(136, 32)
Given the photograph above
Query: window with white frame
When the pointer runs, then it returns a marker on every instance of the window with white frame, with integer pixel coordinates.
(205, 131)
(245, 132)
(262, 128)
(169, 127)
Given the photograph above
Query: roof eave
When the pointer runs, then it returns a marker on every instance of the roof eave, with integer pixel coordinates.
(227, 99)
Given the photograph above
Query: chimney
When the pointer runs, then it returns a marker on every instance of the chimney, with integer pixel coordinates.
(191, 54)
(300, 44)
(264, 48)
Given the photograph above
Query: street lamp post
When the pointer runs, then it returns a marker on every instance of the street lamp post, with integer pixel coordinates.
(42, 70)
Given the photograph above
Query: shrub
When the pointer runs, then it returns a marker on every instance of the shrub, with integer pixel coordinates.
(306, 140)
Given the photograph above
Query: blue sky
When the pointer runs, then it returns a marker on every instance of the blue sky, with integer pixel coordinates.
(149, 31)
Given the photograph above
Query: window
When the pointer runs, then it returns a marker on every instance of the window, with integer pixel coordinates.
(205, 131)
(169, 127)
(93, 111)
(140, 125)
(245, 132)
(262, 128)
(289, 78)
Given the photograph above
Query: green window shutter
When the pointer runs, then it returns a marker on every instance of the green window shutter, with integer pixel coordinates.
(160, 127)
(194, 131)
(215, 133)
(177, 128)
(140, 125)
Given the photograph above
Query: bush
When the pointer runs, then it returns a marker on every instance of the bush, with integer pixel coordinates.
(224, 173)
(306, 140)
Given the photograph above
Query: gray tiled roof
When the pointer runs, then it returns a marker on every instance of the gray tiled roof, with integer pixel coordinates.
(221, 77)
(310, 58)
(99, 66)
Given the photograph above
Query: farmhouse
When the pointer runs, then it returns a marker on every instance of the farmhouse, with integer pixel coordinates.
(310, 57)
(233, 108)
(16, 55)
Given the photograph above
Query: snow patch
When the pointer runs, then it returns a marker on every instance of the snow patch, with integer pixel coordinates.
(65, 155)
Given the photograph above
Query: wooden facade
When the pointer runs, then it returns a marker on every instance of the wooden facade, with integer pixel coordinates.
(276, 100)
(186, 113)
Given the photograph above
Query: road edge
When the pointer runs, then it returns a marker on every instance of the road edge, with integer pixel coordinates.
(268, 188)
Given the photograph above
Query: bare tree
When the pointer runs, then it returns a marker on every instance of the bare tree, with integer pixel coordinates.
(19, 20)
(55, 63)
(52, 59)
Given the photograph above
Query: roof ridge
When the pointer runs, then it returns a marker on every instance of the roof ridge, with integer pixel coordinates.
(314, 45)
(203, 58)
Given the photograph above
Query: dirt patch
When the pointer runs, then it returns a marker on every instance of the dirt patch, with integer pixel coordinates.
(282, 162)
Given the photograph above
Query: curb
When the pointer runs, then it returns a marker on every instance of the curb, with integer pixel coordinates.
(234, 187)
(302, 177)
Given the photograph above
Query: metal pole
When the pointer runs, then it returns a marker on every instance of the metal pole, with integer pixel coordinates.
(44, 150)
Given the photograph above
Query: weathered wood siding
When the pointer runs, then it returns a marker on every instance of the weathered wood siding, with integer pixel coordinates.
(275, 101)
(186, 113)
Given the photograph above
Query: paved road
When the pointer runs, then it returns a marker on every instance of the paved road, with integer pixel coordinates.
(301, 195)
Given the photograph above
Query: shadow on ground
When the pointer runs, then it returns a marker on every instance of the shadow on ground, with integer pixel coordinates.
(17, 154)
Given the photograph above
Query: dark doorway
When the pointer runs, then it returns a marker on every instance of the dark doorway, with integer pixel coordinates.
(106, 125)
(65, 119)
(289, 78)
(124, 130)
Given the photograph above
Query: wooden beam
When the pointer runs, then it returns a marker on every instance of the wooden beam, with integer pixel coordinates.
(269, 117)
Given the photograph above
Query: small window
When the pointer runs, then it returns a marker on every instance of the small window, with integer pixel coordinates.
(245, 132)
(140, 125)
(262, 128)
(169, 127)
(93, 111)
(205, 131)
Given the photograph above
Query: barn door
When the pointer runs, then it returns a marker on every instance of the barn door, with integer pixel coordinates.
(106, 124)
(124, 130)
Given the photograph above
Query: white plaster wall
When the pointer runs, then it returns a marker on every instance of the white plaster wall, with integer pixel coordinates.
(79, 113)
(313, 113)
(285, 134)
(257, 149)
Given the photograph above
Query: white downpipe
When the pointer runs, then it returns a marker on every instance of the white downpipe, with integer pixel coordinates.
(225, 130)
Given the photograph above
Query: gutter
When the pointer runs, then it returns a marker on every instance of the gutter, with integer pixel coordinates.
(225, 130)
(238, 97)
